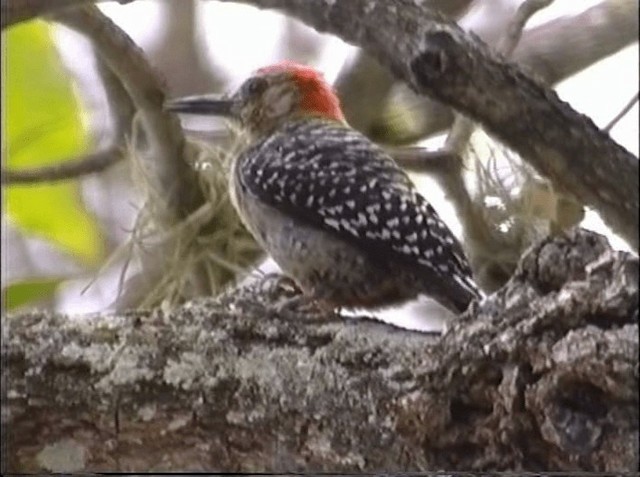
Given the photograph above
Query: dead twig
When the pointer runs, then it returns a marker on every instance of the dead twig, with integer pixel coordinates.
(622, 113)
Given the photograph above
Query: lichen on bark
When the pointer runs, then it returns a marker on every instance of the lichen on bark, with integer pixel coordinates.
(541, 375)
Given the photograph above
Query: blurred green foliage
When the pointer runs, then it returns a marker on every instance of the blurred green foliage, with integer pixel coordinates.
(24, 292)
(43, 125)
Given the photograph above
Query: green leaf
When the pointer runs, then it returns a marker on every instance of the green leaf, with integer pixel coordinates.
(44, 125)
(22, 293)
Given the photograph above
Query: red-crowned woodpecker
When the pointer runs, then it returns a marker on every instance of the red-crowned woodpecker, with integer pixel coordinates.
(332, 208)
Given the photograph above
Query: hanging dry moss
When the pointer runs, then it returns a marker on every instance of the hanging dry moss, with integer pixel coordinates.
(514, 208)
(200, 254)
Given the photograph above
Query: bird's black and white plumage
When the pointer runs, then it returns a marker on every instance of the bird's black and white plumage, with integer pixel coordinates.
(323, 174)
(331, 208)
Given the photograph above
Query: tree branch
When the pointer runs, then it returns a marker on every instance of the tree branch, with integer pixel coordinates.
(66, 169)
(420, 159)
(553, 51)
(160, 148)
(122, 111)
(163, 135)
(527, 9)
(435, 57)
(564, 46)
(622, 113)
(364, 86)
(16, 11)
(481, 236)
(540, 376)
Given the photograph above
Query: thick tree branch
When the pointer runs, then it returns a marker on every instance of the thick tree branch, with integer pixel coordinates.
(364, 86)
(553, 51)
(542, 375)
(481, 236)
(435, 57)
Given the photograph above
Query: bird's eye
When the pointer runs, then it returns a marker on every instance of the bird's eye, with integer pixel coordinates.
(256, 86)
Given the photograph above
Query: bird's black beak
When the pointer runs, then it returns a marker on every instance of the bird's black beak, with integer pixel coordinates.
(205, 105)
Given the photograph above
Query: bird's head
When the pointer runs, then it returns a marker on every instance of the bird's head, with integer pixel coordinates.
(273, 95)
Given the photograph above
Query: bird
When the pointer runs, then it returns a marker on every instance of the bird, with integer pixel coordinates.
(332, 208)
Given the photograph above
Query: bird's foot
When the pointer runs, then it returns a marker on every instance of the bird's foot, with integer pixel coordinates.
(287, 296)
(299, 303)
(275, 286)
(304, 304)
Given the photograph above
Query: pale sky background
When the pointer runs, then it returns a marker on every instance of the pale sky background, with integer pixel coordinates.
(601, 91)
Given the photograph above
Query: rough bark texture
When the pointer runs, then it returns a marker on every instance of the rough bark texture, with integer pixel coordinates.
(542, 375)
(553, 51)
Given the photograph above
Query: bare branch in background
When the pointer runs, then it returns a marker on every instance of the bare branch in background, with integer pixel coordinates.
(420, 159)
(509, 42)
(120, 104)
(622, 113)
(122, 112)
(162, 131)
(564, 46)
(65, 169)
(159, 144)
(363, 89)
(299, 42)
(179, 55)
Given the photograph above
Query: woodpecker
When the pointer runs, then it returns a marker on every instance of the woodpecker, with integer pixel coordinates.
(334, 210)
